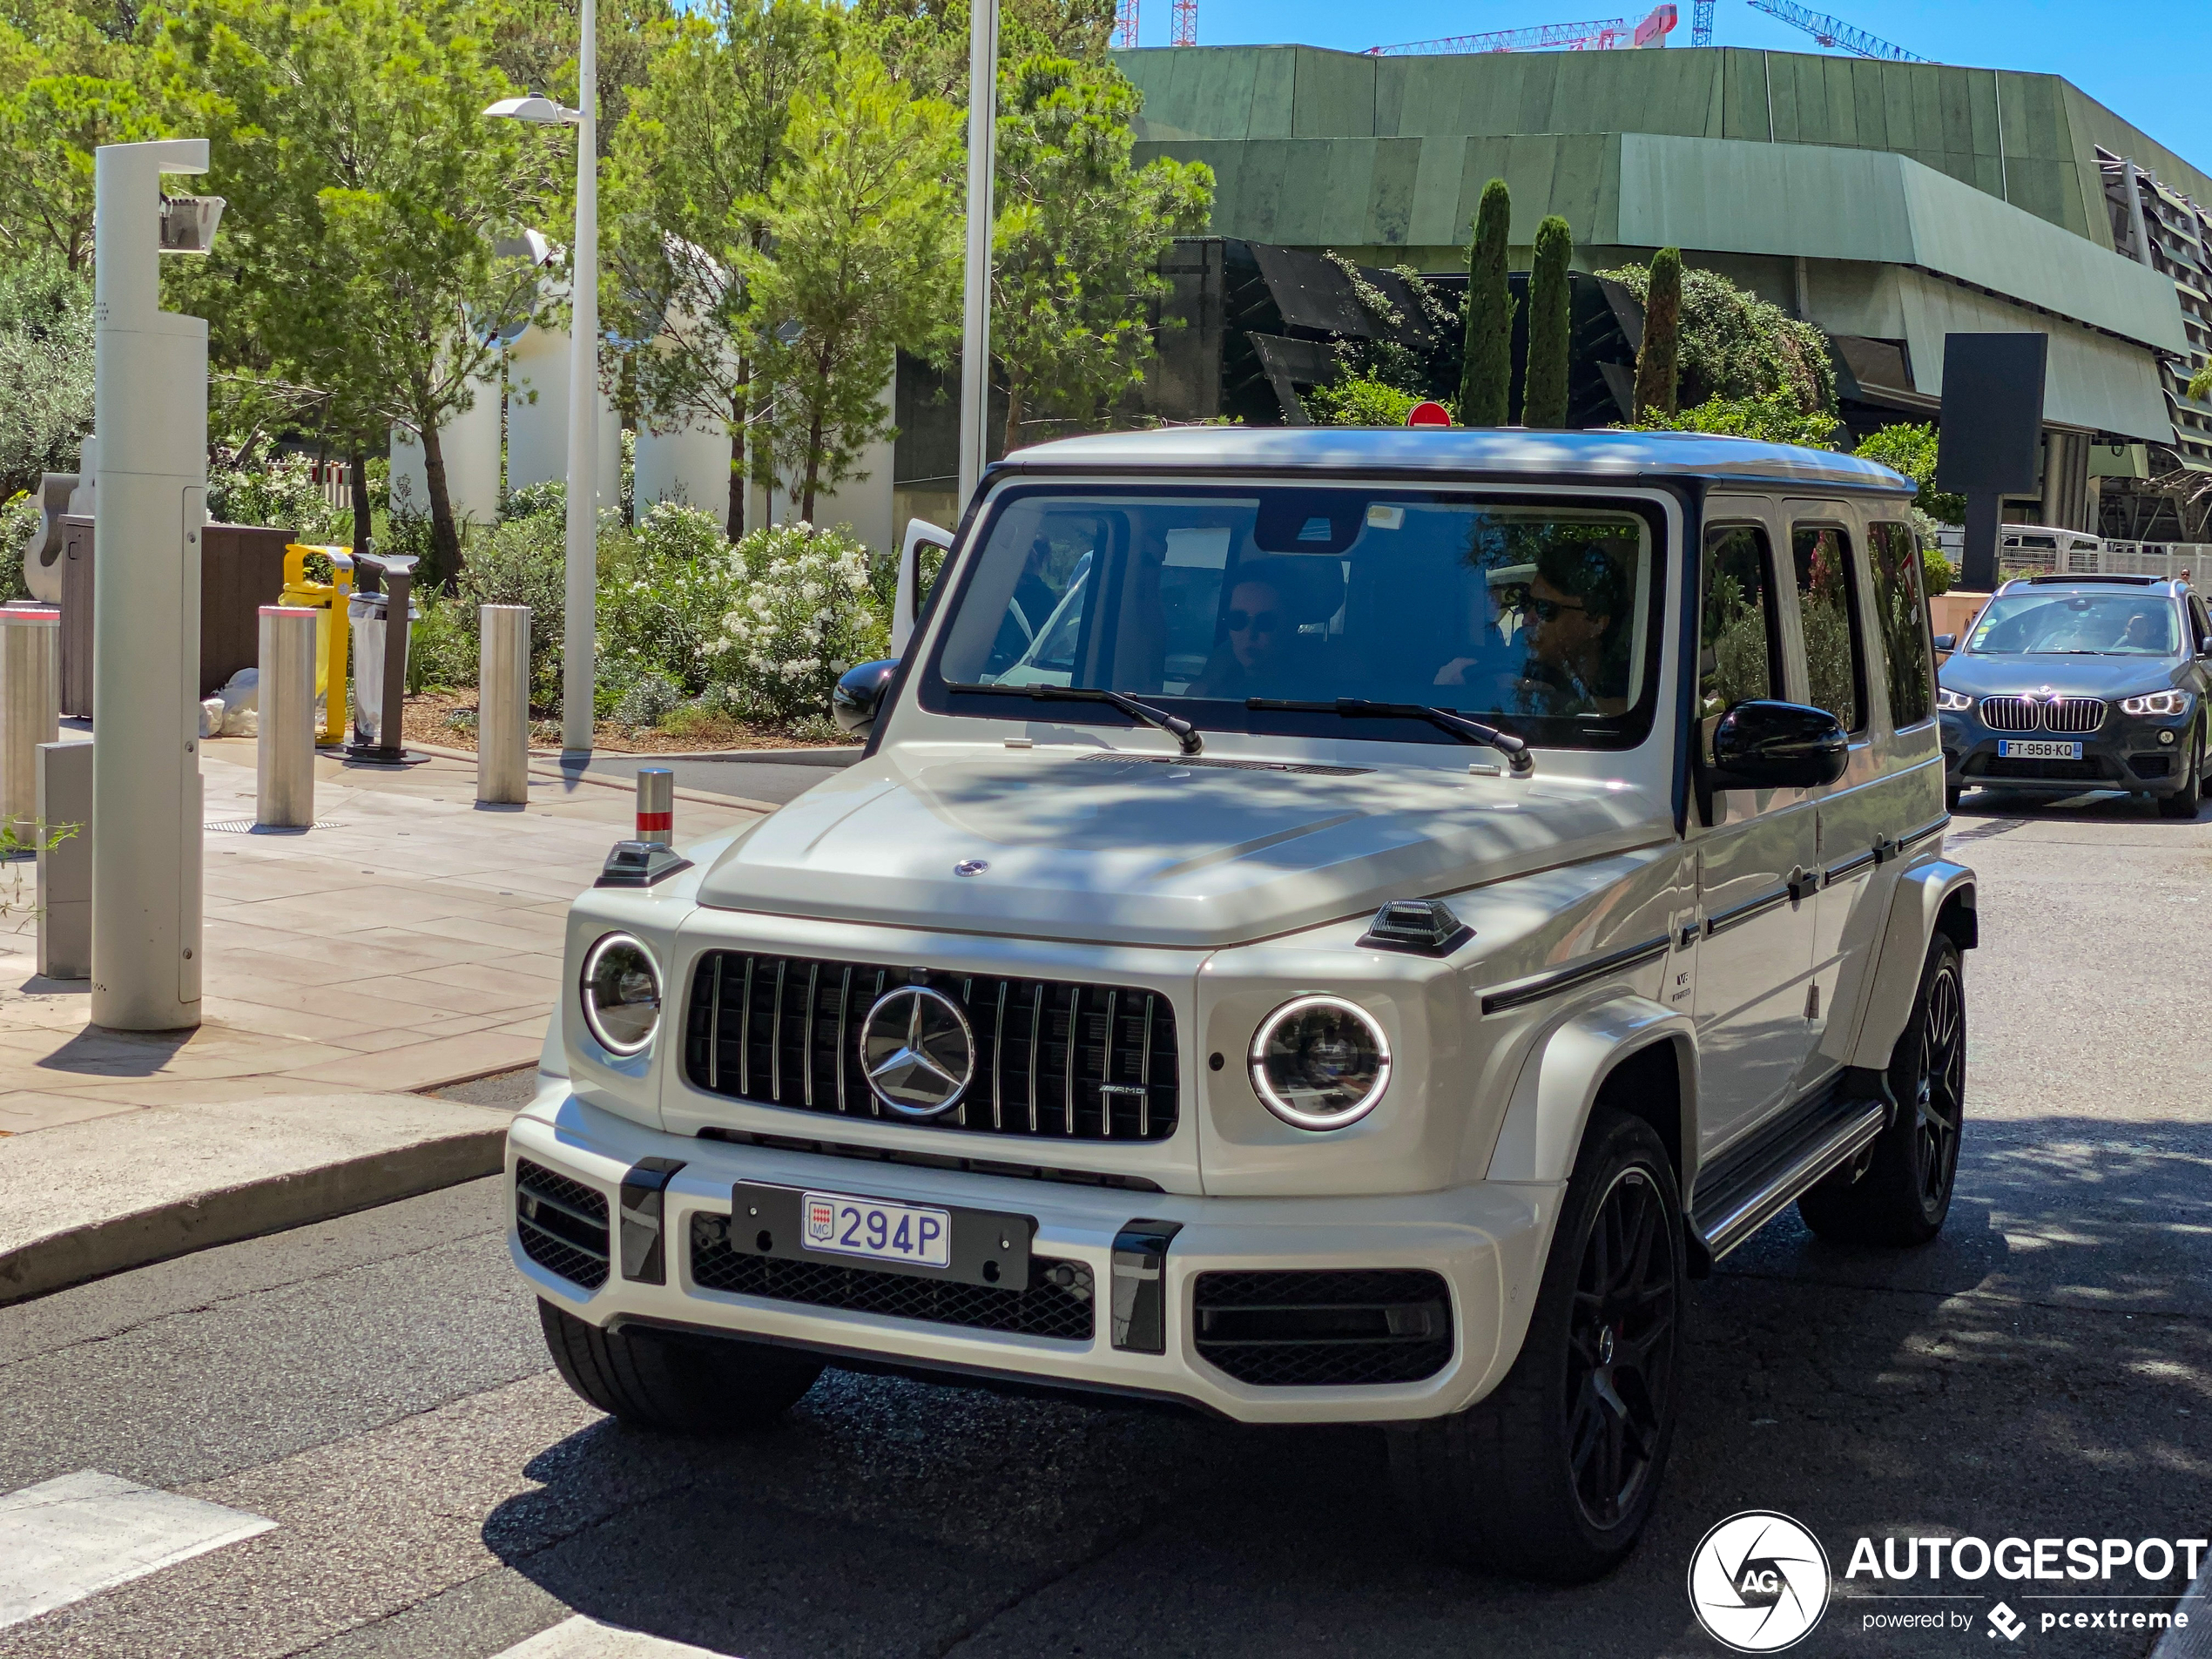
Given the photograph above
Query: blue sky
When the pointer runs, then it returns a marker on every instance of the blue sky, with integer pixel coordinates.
(2151, 62)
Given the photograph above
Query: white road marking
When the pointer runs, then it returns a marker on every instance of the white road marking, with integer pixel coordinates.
(578, 1637)
(65, 1539)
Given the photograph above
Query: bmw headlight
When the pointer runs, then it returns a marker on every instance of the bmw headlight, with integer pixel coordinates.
(2156, 703)
(1320, 1063)
(1952, 702)
(621, 992)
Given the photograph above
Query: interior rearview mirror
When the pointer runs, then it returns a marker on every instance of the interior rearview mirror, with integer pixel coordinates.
(858, 697)
(1778, 745)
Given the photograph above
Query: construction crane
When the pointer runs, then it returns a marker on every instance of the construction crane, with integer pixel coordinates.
(1186, 22)
(1607, 33)
(1701, 23)
(1125, 24)
(1834, 31)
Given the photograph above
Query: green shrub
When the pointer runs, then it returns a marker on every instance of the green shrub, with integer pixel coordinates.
(808, 612)
(1773, 419)
(279, 494)
(1735, 344)
(18, 523)
(664, 616)
(45, 370)
(522, 562)
(441, 647)
(537, 501)
(1358, 402)
(673, 532)
(1909, 446)
(1936, 571)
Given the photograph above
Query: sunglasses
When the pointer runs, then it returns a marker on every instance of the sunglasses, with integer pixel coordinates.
(1551, 610)
(1254, 621)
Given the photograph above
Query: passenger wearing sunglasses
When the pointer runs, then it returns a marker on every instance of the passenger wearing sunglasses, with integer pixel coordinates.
(1251, 660)
(1573, 664)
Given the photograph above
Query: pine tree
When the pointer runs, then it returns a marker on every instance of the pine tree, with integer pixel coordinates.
(1486, 380)
(1543, 401)
(1658, 362)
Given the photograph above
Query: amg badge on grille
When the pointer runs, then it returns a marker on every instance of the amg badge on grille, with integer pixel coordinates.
(917, 1051)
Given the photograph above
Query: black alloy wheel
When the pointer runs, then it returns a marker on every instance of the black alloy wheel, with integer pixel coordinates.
(1552, 1474)
(2185, 802)
(1621, 1342)
(1898, 1192)
(1940, 1090)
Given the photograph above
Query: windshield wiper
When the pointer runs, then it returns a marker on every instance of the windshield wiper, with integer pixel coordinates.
(1514, 749)
(1175, 725)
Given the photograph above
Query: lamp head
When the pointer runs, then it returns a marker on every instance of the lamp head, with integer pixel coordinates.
(535, 108)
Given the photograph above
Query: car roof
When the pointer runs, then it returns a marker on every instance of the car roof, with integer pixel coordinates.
(1489, 451)
(2156, 584)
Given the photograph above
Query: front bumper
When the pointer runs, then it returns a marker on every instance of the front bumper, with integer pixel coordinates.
(2147, 754)
(1485, 1242)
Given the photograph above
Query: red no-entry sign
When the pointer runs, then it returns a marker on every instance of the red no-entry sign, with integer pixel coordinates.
(1427, 414)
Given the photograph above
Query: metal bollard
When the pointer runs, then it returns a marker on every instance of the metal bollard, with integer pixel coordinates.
(30, 709)
(65, 868)
(286, 797)
(504, 705)
(657, 806)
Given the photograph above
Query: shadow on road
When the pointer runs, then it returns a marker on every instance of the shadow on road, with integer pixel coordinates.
(2042, 1370)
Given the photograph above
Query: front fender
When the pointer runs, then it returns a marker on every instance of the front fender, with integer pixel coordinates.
(1560, 1080)
(1922, 893)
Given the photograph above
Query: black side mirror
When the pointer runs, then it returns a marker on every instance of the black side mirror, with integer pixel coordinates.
(1778, 745)
(1947, 641)
(859, 697)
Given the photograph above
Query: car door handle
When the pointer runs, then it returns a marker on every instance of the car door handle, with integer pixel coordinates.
(1803, 885)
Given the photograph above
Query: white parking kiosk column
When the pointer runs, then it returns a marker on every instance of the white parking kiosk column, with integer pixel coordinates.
(150, 403)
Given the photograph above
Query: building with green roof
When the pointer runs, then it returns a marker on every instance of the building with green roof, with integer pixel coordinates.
(1890, 204)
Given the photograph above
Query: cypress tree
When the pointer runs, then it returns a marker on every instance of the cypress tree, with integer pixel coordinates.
(1543, 399)
(1658, 362)
(1485, 382)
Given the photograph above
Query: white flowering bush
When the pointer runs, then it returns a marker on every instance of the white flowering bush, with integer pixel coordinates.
(806, 613)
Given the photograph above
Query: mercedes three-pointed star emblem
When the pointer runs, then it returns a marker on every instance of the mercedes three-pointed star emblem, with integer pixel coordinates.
(917, 1051)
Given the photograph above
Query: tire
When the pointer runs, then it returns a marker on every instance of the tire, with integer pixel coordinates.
(1904, 1190)
(2184, 802)
(672, 1386)
(1951, 799)
(1553, 1476)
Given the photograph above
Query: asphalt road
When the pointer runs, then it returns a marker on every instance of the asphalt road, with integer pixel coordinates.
(376, 1385)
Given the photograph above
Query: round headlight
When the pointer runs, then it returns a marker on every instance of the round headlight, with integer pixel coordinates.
(1319, 1063)
(621, 994)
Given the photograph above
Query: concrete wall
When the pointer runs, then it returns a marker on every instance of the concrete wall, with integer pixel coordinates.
(537, 417)
(469, 443)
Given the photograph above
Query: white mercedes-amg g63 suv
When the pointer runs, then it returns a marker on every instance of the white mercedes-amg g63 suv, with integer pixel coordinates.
(1327, 926)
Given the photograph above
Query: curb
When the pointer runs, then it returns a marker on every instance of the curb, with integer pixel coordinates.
(539, 768)
(271, 1205)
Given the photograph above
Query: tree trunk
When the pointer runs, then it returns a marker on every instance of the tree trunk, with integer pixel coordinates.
(733, 525)
(814, 465)
(445, 536)
(1013, 411)
(357, 475)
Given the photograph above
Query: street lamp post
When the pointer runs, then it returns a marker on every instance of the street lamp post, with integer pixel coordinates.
(975, 320)
(579, 610)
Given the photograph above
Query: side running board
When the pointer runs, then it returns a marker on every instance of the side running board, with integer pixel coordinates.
(1750, 1187)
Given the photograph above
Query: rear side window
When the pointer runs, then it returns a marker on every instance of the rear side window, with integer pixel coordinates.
(1834, 655)
(1901, 615)
(1740, 640)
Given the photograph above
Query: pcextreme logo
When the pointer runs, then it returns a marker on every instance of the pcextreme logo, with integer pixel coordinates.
(1758, 1582)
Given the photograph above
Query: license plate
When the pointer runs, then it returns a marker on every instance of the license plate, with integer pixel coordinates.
(844, 1226)
(802, 1224)
(2037, 749)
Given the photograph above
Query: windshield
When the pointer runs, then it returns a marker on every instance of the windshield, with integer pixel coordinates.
(1536, 616)
(2074, 624)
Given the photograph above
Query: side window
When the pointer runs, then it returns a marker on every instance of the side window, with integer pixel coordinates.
(1740, 639)
(1901, 616)
(2200, 623)
(1834, 655)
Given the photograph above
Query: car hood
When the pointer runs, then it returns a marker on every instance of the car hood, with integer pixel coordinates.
(1130, 850)
(2002, 674)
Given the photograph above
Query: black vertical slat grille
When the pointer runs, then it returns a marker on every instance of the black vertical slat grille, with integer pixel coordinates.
(1053, 1057)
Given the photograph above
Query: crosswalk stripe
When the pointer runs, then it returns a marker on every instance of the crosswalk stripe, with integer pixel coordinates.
(73, 1537)
(579, 1637)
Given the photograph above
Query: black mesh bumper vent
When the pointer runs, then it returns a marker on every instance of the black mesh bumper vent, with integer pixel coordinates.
(1316, 1330)
(1057, 1301)
(562, 1224)
(1053, 1058)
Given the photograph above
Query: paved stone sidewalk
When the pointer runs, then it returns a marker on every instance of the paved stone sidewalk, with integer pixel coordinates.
(411, 940)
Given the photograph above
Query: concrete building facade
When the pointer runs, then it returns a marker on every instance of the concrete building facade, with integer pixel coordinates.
(1890, 204)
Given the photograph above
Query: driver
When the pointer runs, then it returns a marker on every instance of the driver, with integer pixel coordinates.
(1576, 603)
(2143, 633)
(1257, 629)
